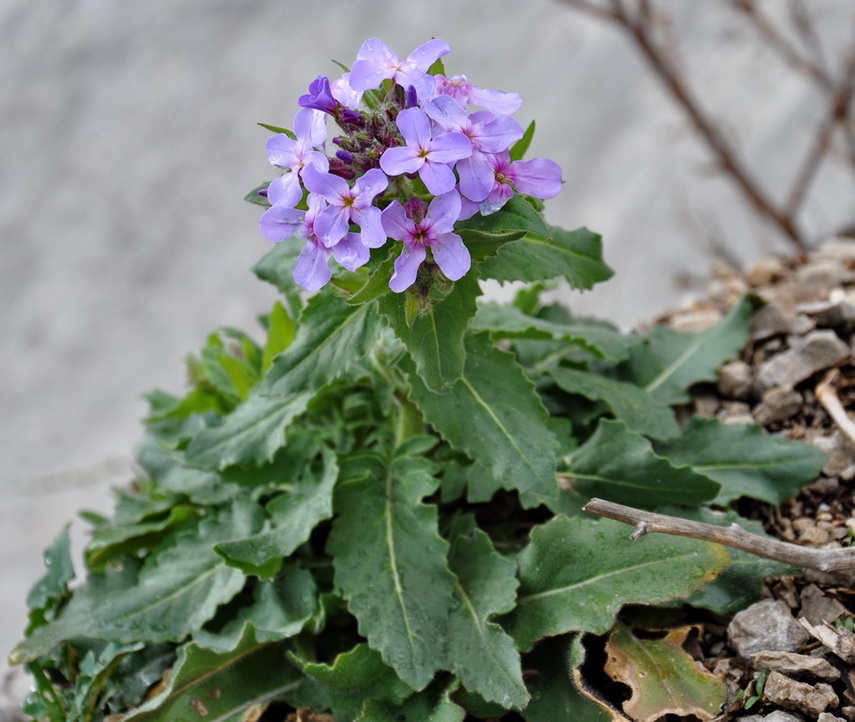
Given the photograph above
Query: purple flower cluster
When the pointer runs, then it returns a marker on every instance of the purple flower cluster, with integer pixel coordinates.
(409, 162)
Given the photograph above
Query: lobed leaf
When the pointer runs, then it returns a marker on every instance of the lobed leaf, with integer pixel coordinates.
(483, 235)
(294, 515)
(536, 256)
(745, 460)
(434, 339)
(494, 415)
(639, 410)
(230, 686)
(619, 465)
(663, 678)
(479, 651)
(599, 337)
(575, 575)
(667, 363)
(390, 565)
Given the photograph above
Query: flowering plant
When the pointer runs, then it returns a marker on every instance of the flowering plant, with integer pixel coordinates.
(377, 510)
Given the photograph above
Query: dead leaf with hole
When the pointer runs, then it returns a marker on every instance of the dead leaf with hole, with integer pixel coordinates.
(663, 678)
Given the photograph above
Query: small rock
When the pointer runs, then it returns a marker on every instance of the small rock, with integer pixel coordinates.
(778, 404)
(828, 717)
(802, 325)
(791, 663)
(735, 412)
(817, 351)
(777, 716)
(765, 271)
(811, 699)
(766, 625)
(819, 276)
(771, 320)
(706, 405)
(841, 455)
(837, 313)
(819, 607)
(823, 486)
(839, 249)
(735, 379)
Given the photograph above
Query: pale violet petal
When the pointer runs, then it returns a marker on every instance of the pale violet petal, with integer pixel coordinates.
(451, 256)
(406, 268)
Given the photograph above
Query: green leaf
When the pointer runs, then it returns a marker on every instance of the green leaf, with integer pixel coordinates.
(277, 267)
(575, 575)
(113, 540)
(280, 609)
(494, 415)
(483, 235)
(280, 334)
(435, 337)
(575, 255)
(277, 129)
(53, 586)
(390, 564)
(519, 148)
(554, 695)
(294, 515)
(430, 705)
(668, 362)
(741, 583)
(331, 336)
(227, 686)
(354, 677)
(255, 197)
(640, 411)
(176, 592)
(619, 465)
(377, 284)
(745, 460)
(479, 651)
(599, 337)
(663, 678)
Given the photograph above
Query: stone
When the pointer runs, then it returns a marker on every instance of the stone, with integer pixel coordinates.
(818, 607)
(828, 717)
(735, 412)
(839, 249)
(837, 313)
(807, 355)
(765, 625)
(765, 271)
(792, 663)
(778, 404)
(818, 277)
(811, 699)
(771, 320)
(735, 380)
(778, 715)
(841, 455)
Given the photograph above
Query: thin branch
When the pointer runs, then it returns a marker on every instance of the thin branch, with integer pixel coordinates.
(646, 522)
(639, 30)
(826, 395)
(837, 113)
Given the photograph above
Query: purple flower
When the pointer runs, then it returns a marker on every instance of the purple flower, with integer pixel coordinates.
(375, 62)
(430, 157)
(312, 270)
(433, 230)
(321, 97)
(538, 177)
(348, 205)
(487, 133)
(295, 155)
(465, 93)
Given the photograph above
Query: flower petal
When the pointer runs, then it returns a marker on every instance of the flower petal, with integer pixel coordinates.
(499, 134)
(374, 63)
(371, 226)
(327, 185)
(450, 147)
(310, 126)
(278, 223)
(369, 185)
(444, 211)
(280, 150)
(400, 160)
(396, 224)
(285, 190)
(428, 53)
(476, 177)
(538, 177)
(447, 113)
(312, 270)
(406, 268)
(437, 177)
(414, 126)
(351, 252)
(496, 101)
(331, 224)
(451, 255)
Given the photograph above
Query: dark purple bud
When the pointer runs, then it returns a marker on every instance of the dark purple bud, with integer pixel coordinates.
(350, 116)
(344, 156)
(416, 209)
(319, 96)
(263, 192)
(412, 97)
(337, 167)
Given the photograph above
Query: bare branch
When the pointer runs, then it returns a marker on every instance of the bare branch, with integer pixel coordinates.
(646, 522)
(826, 395)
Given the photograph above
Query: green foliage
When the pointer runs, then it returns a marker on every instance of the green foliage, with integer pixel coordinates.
(375, 510)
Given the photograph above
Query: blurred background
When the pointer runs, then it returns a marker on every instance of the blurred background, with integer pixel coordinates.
(689, 133)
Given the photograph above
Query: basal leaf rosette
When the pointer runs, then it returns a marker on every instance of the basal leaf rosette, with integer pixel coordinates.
(412, 161)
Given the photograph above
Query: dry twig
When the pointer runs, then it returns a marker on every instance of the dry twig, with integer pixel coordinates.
(646, 522)
(826, 395)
